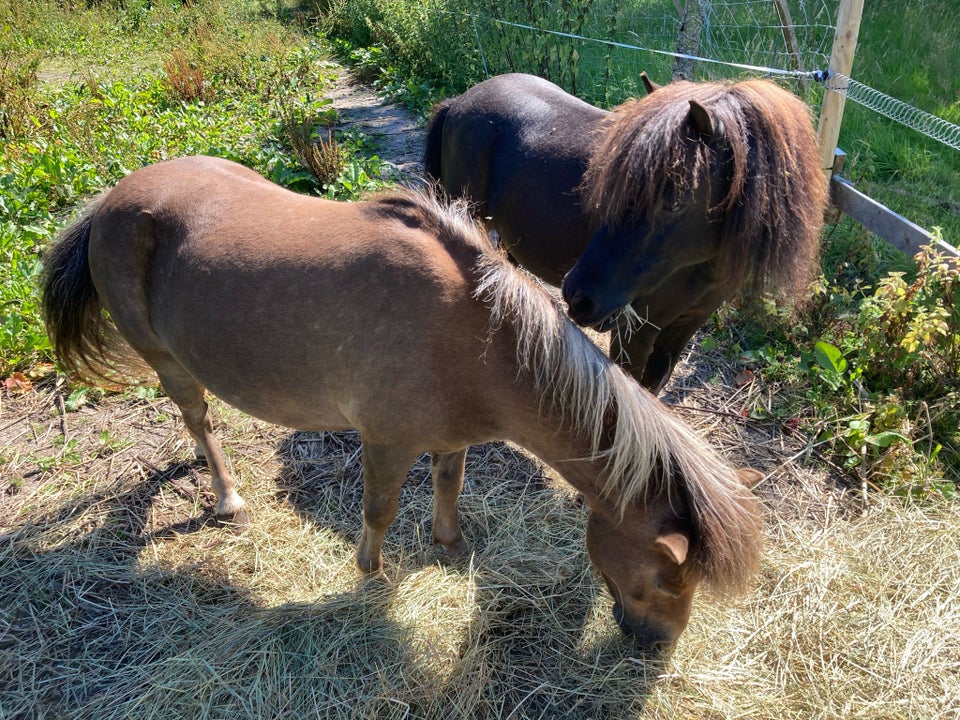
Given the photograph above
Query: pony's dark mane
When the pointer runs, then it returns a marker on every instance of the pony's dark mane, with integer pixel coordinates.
(773, 211)
(651, 452)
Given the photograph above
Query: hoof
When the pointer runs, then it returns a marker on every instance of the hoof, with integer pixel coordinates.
(370, 565)
(456, 550)
(370, 570)
(238, 521)
(373, 578)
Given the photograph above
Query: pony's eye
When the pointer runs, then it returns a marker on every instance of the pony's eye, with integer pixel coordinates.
(665, 589)
(674, 205)
(674, 202)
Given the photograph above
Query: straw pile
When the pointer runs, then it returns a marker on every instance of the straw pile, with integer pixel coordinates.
(120, 599)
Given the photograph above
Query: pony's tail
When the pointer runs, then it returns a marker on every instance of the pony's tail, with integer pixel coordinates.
(85, 340)
(431, 156)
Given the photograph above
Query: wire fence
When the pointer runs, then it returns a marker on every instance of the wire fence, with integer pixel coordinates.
(597, 49)
(923, 122)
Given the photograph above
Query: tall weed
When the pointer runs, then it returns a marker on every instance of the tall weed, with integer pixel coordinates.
(186, 81)
(18, 82)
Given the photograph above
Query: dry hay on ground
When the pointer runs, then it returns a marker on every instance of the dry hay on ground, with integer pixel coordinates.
(121, 599)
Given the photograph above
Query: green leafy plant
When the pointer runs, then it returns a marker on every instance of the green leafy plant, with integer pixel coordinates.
(886, 387)
(866, 440)
(908, 332)
(870, 366)
(126, 110)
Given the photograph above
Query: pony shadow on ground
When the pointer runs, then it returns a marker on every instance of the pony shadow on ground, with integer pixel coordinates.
(541, 632)
(73, 598)
(93, 628)
(90, 628)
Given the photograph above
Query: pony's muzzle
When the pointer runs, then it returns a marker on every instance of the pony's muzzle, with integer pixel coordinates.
(649, 639)
(586, 312)
(580, 306)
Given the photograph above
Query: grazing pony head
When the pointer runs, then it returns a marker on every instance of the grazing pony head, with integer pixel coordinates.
(667, 513)
(725, 175)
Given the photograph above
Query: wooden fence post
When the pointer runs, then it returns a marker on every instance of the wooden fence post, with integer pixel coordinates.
(841, 61)
(689, 41)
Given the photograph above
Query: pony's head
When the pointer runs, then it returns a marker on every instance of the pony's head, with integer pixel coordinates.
(724, 176)
(653, 557)
(667, 512)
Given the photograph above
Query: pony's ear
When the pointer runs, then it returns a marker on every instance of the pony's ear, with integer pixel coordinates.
(750, 477)
(648, 84)
(703, 122)
(675, 545)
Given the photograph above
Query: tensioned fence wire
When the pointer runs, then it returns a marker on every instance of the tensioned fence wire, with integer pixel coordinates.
(814, 74)
(918, 120)
(923, 122)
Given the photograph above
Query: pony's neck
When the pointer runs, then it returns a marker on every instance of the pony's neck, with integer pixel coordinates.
(569, 453)
(579, 413)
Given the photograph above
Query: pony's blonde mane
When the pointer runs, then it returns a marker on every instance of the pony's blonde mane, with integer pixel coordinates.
(647, 451)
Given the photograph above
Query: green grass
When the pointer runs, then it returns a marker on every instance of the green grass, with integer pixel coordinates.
(92, 95)
(908, 50)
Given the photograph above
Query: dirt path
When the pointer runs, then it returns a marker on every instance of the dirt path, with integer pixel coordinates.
(396, 134)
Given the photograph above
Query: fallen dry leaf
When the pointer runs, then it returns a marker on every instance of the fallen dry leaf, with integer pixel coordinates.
(18, 384)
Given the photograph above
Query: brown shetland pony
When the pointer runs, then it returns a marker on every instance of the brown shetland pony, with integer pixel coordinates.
(397, 318)
(649, 216)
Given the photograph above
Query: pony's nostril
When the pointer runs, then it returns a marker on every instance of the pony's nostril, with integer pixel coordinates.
(581, 306)
(647, 638)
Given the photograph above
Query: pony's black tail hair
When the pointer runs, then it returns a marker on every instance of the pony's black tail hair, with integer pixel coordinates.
(84, 338)
(431, 156)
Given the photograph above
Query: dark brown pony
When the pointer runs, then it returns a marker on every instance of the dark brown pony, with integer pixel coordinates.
(649, 216)
(397, 318)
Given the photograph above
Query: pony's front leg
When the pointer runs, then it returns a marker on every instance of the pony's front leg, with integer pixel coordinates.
(669, 346)
(631, 349)
(384, 472)
(447, 471)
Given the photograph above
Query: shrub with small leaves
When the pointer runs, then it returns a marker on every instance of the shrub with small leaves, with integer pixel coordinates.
(908, 332)
(887, 391)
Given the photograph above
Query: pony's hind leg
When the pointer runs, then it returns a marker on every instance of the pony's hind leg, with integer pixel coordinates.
(188, 395)
(447, 470)
(384, 472)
